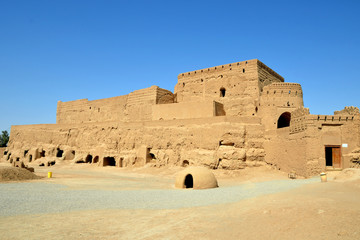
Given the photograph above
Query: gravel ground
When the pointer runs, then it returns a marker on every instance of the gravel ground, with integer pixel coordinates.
(39, 197)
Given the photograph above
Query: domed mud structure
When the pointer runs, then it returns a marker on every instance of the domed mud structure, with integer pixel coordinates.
(196, 178)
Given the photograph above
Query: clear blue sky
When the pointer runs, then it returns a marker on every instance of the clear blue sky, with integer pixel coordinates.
(71, 49)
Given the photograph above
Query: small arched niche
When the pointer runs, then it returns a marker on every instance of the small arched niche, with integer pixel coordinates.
(222, 92)
(284, 120)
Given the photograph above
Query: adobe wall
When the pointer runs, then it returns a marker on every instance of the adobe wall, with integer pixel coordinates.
(82, 111)
(241, 82)
(187, 110)
(2, 150)
(222, 142)
(301, 147)
(135, 106)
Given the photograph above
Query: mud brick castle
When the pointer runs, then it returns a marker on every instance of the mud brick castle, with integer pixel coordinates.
(231, 116)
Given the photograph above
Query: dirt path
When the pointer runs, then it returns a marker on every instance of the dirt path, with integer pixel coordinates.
(311, 211)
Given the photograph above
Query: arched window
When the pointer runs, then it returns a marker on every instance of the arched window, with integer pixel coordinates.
(222, 92)
(284, 120)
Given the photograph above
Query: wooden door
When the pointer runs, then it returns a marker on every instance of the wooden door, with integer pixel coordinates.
(336, 157)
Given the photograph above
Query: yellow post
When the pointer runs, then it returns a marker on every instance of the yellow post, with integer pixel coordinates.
(49, 174)
(323, 177)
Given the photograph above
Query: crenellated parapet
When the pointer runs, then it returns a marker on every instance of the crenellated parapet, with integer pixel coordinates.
(348, 110)
(282, 95)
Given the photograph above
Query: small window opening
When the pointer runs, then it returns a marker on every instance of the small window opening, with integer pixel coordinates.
(256, 109)
(189, 183)
(222, 92)
(6, 152)
(26, 152)
(109, 161)
(243, 70)
(30, 158)
(17, 159)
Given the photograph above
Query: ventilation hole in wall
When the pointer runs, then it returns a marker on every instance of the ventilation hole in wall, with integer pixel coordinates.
(246, 62)
(318, 118)
(185, 163)
(256, 109)
(222, 92)
(230, 68)
(195, 72)
(183, 84)
(202, 80)
(30, 158)
(17, 159)
(188, 73)
(208, 69)
(222, 66)
(352, 118)
(215, 68)
(202, 71)
(243, 70)
(26, 152)
(274, 91)
(89, 107)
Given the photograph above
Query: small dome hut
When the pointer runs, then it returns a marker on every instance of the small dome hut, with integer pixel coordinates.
(196, 178)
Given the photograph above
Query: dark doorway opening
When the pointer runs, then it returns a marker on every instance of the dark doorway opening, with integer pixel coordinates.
(333, 156)
(96, 159)
(222, 92)
(189, 183)
(88, 159)
(109, 161)
(42, 153)
(59, 152)
(284, 120)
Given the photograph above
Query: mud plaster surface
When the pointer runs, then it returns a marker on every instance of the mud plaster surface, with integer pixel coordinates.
(103, 204)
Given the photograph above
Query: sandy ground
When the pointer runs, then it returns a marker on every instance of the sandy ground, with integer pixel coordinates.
(313, 210)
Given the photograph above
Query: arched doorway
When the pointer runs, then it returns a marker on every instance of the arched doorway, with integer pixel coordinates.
(284, 120)
(189, 182)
